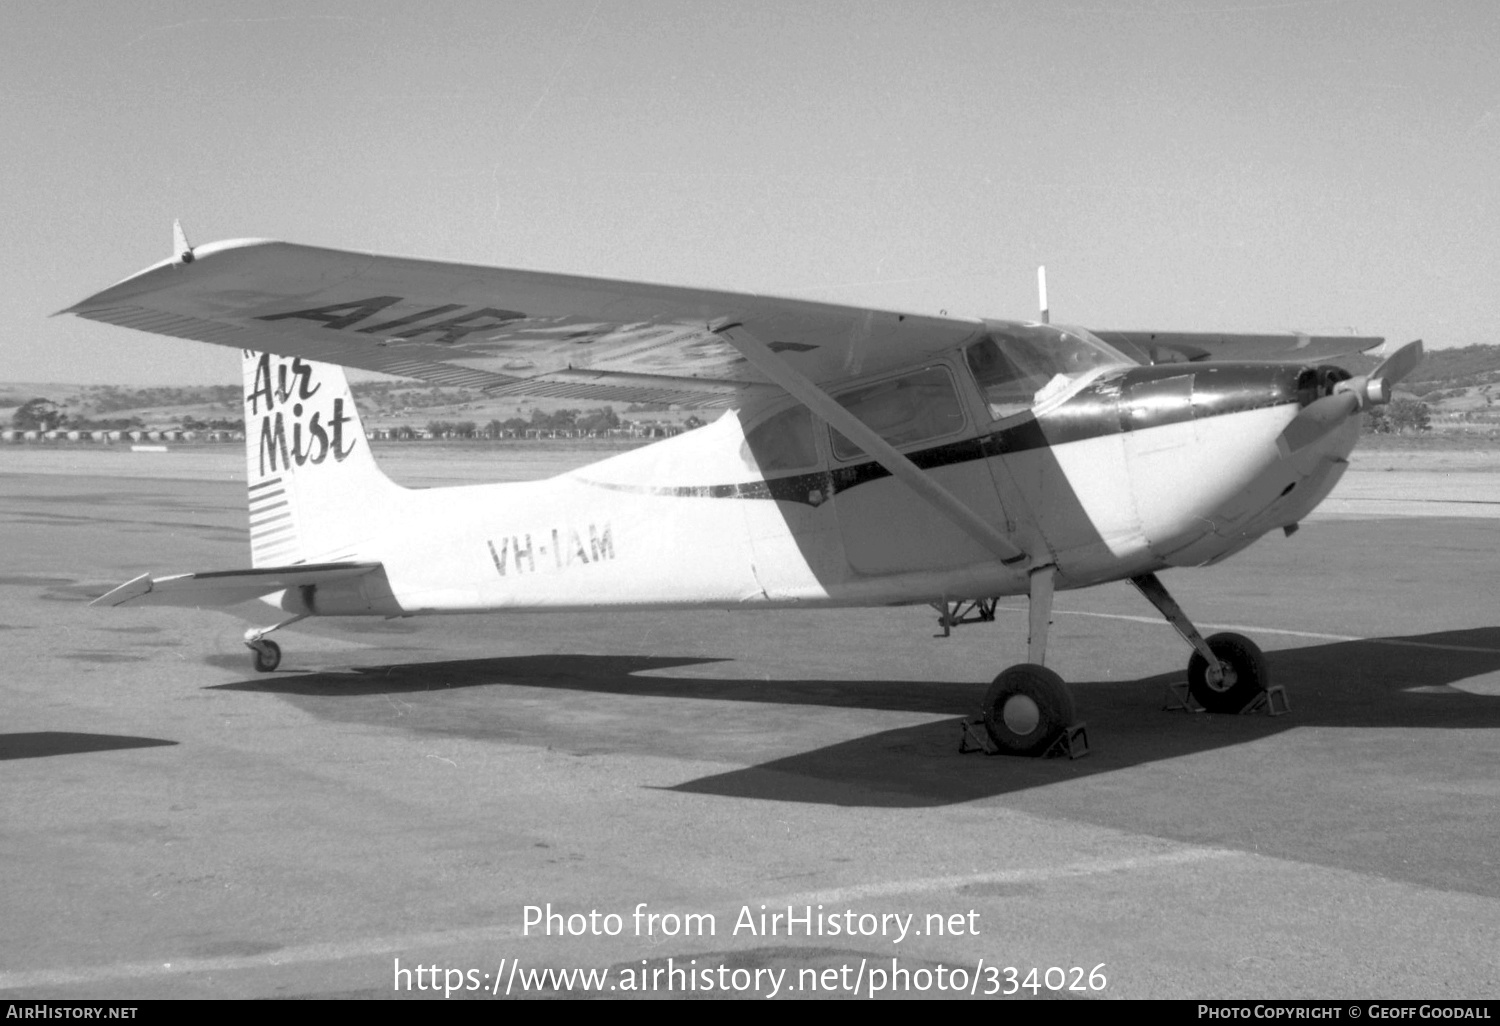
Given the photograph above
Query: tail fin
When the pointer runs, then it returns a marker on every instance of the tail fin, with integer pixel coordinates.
(316, 495)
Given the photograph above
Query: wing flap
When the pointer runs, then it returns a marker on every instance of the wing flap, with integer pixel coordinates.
(227, 587)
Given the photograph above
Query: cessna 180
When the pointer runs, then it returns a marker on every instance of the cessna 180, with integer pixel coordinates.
(864, 457)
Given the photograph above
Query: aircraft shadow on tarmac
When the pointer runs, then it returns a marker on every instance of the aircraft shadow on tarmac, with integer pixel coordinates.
(40, 743)
(1402, 682)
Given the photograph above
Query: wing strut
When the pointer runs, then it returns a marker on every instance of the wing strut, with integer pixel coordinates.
(851, 427)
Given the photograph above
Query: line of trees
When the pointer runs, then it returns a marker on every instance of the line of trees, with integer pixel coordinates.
(45, 415)
(558, 420)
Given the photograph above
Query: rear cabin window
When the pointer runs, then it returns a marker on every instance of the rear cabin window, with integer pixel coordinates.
(904, 411)
(782, 442)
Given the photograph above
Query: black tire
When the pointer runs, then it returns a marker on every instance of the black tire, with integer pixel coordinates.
(1026, 709)
(1247, 674)
(267, 656)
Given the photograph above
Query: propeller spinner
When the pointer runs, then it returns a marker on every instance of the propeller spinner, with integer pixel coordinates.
(1357, 393)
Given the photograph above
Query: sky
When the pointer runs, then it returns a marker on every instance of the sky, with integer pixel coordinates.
(1227, 165)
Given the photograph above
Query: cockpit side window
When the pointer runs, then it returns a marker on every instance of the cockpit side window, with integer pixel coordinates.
(1024, 366)
(781, 442)
(1006, 386)
(904, 411)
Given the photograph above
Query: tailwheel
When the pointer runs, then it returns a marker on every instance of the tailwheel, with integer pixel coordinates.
(267, 655)
(1241, 676)
(1027, 709)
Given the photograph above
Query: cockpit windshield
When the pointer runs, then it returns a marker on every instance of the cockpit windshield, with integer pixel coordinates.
(1022, 366)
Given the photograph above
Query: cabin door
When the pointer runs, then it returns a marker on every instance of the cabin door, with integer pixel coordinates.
(888, 528)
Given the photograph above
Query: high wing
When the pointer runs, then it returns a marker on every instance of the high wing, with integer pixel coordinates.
(227, 587)
(517, 332)
(504, 330)
(1184, 346)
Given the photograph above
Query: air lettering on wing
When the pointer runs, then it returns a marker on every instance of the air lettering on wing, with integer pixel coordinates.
(341, 316)
(455, 328)
(401, 322)
(338, 315)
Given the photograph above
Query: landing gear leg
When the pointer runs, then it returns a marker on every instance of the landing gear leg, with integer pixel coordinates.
(1028, 709)
(1039, 620)
(1227, 672)
(267, 654)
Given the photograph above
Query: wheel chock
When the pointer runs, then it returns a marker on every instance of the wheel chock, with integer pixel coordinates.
(1073, 742)
(1273, 700)
(975, 737)
(1180, 699)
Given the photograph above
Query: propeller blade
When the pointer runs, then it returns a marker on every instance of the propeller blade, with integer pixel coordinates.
(1376, 387)
(1400, 363)
(1315, 420)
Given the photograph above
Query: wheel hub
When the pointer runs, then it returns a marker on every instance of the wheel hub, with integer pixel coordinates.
(1020, 715)
(1220, 676)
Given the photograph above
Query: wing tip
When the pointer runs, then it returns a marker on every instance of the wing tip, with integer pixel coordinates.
(178, 261)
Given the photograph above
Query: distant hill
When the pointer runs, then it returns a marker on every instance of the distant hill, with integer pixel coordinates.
(102, 399)
(1455, 383)
(1471, 365)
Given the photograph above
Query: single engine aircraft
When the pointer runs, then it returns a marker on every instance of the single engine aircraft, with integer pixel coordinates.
(864, 457)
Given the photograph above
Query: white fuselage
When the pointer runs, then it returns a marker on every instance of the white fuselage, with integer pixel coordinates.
(679, 524)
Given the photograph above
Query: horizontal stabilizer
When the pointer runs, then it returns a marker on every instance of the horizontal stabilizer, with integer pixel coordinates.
(227, 587)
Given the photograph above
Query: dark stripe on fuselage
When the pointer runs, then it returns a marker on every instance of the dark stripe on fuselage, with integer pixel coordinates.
(1140, 398)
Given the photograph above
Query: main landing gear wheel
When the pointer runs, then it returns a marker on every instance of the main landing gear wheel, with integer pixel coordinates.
(1026, 709)
(267, 655)
(1245, 674)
